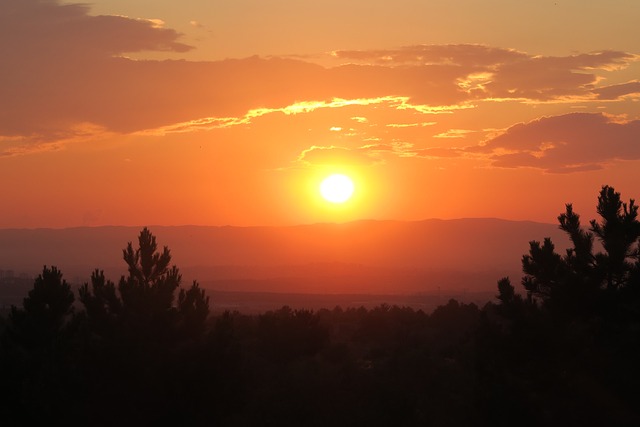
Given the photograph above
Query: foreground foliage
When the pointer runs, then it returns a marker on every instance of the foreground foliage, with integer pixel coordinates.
(146, 351)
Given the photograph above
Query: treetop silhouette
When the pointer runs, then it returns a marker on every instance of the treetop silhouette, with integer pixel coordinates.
(45, 311)
(578, 281)
(145, 303)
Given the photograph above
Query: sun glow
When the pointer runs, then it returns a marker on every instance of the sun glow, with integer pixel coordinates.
(337, 188)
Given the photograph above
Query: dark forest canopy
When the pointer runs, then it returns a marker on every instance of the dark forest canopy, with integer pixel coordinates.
(146, 350)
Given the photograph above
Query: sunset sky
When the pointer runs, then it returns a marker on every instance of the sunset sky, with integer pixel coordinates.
(209, 112)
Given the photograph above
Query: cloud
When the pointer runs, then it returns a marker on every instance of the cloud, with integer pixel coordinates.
(63, 68)
(60, 65)
(483, 72)
(208, 123)
(563, 144)
(40, 29)
(438, 152)
(366, 155)
(78, 133)
(549, 78)
(454, 133)
(464, 55)
(410, 125)
(332, 155)
(618, 91)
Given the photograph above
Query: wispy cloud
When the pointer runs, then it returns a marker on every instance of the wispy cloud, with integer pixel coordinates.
(332, 155)
(438, 152)
(465, 55)
(209, 123)
(365, 155)
(454, 133)
(22, 145)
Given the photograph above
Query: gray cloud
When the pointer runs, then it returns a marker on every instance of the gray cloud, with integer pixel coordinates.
(63, 74)
(59, 65)
(567, 143)
(488, 72)
(549, 78)
(618, 91)
(41, 29)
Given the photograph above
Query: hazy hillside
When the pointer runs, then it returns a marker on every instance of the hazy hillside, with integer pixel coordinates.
(362, 256)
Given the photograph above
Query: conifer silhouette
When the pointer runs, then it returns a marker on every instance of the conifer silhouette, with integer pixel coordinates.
(144, 303)
(45, 310)
(578, 282)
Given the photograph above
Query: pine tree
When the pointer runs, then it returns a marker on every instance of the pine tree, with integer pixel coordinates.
(577, 283)
(37, 354)
(143, 306)
(193, 308)
(102, 304)
(45, 312)
(618, 232)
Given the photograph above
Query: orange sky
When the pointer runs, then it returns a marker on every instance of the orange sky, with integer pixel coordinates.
(212, 113)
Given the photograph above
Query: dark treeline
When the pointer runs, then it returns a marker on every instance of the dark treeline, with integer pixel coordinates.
(562, 350)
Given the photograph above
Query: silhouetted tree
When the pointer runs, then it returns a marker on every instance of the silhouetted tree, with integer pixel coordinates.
(36, 354)
(142, 337)
(148, 291)
(101, 303)
(506, 291)
(574, 283)
(618, 232)
(193, 309)
(574, 340)
(44, 312)
(144, 304)
(580, 257)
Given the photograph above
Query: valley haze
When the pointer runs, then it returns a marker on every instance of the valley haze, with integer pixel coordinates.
(391, 259)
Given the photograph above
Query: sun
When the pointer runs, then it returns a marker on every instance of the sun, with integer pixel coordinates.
(337, 188)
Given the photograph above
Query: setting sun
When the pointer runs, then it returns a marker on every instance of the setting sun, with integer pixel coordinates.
(337, 188)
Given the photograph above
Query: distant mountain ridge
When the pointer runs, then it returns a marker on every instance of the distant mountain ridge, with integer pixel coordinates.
(274, 258)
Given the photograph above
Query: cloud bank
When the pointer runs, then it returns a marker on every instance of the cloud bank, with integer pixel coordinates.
(65, 76)
(568, 143)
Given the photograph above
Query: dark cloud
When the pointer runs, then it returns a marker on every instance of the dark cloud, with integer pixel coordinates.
(549, 78)
(33, 29)
(567, 143)
(487, 72)
(59, 65)
(64, 70)
(618, 91)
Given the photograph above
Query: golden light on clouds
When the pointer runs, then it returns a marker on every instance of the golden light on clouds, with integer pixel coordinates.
(443, 110)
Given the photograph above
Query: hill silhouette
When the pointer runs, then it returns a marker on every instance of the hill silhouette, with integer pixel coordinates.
(390, 257)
